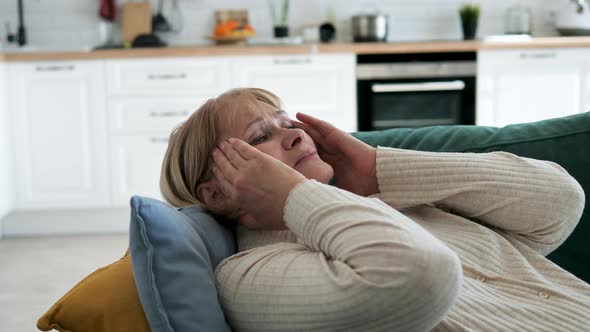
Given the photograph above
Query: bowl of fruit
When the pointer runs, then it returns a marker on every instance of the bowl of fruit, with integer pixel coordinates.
(231, 27)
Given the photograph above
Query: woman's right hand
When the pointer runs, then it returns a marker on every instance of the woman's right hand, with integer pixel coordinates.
(254, 183)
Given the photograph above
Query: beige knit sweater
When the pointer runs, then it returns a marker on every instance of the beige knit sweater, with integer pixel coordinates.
(453, 242)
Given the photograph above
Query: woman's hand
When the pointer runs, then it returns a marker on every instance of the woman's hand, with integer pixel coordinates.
(254, 182)
(353, 161)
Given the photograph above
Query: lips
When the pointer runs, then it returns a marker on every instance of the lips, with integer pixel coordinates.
(308, 153)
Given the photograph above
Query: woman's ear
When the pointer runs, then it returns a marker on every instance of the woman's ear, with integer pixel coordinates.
(209, 194)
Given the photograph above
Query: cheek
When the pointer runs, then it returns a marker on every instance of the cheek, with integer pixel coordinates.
(271, 148)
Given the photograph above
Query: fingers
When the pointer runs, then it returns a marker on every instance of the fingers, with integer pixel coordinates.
(223, 165)
(314, 134)
(245, 150)
(230, 156)
(236, 158)
(222, 182)
(323, 127)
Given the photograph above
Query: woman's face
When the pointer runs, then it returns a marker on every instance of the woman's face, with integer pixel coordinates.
(270, 131)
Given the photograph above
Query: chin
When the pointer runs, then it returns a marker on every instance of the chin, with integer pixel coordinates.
(318, 170)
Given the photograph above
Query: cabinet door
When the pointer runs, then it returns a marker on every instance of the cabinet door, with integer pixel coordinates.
(169, 76)
(528, 85)
(586, 85)
(320, 85)
(6, 184)
(140, 129)
(147, 115)
(137, 161)
(59, 123)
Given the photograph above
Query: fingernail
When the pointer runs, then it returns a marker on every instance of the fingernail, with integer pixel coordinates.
(231, 140)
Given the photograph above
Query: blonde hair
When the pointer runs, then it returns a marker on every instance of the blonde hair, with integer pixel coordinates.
(187, 158)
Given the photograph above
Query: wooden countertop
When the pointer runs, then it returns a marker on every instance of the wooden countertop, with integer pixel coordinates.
(357, 48)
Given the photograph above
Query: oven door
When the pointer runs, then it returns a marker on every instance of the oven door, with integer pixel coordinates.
(414, 103)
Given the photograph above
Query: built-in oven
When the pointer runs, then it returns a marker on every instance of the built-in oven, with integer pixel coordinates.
(415, 90)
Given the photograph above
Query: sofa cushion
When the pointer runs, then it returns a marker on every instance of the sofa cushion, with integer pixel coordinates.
(104, 301)
(565, 141)
(174, 253)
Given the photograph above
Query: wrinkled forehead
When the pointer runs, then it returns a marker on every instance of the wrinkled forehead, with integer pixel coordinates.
(235, 115)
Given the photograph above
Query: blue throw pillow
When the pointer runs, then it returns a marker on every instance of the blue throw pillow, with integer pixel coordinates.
(174, 253)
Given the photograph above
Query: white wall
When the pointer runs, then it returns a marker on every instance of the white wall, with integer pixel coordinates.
(74, 23)
(6, 184)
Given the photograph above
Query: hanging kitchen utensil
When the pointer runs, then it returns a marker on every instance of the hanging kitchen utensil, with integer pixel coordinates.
(108, 14)
(159, 22)
(175, 17)
(108, 10)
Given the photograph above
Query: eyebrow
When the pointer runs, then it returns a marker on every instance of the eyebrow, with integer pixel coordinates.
(261, 118)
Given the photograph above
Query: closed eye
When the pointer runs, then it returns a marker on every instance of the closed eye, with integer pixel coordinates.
(260, 139)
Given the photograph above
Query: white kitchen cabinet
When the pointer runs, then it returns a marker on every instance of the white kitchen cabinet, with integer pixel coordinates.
(586, 84)
(148, 115)
(6, 184)
(170, 76)
(320, 85)
(517, 86)
(59, 124)
(148, 98)
(137, 161)
(139, 133)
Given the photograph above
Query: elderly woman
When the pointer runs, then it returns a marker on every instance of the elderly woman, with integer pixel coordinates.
(404, 241)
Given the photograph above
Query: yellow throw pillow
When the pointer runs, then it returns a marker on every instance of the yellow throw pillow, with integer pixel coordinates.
(106, 300)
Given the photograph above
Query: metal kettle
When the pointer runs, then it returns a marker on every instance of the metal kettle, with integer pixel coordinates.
(574, 19)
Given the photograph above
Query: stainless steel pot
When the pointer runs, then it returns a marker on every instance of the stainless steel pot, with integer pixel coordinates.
(370, 28)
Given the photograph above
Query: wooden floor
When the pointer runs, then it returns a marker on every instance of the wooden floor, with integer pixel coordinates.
(36, 272)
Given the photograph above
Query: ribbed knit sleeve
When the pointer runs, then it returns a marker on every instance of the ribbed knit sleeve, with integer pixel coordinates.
(363, 267)
(535, 202)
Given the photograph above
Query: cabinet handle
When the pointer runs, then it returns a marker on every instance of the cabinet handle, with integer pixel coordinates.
(159, 140)
(180, 76)
(292, 61)
(538, 55)
(168, 114)
(56, 68)
(418, 87)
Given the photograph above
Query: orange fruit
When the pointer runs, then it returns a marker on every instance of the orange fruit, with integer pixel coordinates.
(231, 24)
(222, 30)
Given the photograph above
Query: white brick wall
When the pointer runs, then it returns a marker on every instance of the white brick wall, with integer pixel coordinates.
(73, 24)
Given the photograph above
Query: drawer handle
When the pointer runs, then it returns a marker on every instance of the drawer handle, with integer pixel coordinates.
(56, 68)
(541, 55)
(158, 140)
(168, 114)
(167, 76)
(418, 87)
(292, 61)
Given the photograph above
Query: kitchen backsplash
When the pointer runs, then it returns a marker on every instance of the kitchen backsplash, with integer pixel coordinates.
(74, 24)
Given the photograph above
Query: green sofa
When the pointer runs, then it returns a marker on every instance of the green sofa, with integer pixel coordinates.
(565, 141)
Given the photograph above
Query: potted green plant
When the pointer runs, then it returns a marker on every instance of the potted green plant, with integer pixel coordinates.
(469, 14)
(280, 19)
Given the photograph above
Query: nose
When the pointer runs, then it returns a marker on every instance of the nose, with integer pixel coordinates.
(292, 137)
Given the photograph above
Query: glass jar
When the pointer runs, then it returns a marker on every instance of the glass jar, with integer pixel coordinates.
(518, 20)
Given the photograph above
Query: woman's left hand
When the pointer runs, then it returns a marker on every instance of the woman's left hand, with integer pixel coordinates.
(353, 161)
